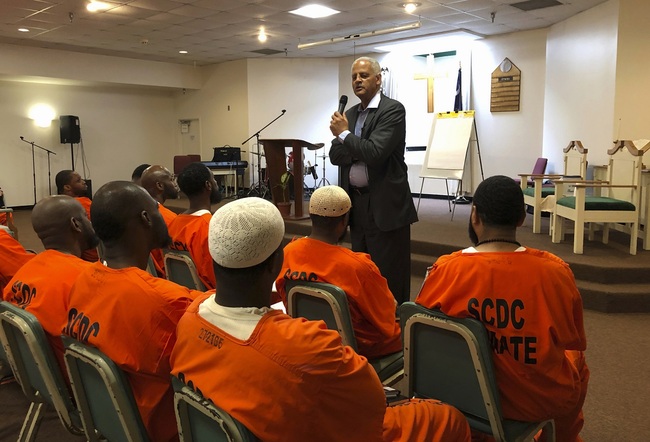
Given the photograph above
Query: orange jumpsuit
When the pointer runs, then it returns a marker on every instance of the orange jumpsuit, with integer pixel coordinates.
(157, 254)
(12, 257)
(190, 233)
(293, 381)
(90, 255)
(372, 305)
(131, 316)
(532, 310)
(42, 287)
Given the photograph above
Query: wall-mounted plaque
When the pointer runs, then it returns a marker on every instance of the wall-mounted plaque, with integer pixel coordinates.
(506, 87)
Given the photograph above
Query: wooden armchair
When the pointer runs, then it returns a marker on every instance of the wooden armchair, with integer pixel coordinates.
(539, 196)
(621, 205)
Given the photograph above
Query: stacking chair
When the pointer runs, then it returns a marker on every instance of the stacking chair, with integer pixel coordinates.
(537, 193)
(450, 359)
(103, 395)
(180, 269)
(321, 301)
(199, 420)
(31, 358)
(621, 205)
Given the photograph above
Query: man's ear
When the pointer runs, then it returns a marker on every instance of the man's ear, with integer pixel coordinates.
(473, 216)
(145, 217)
(75, 224)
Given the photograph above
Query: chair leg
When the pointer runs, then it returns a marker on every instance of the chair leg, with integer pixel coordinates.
(556, 233)
(605, 233)
(31, 423)
(578, 237)
(634, 236)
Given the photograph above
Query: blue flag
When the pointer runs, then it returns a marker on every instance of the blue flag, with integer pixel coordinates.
(458, 102)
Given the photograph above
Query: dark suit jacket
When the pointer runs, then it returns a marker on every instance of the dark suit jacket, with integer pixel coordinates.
(381, 147)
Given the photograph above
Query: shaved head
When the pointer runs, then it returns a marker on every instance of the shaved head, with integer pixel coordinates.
(159, 182)
(118, 205)
(61, 219)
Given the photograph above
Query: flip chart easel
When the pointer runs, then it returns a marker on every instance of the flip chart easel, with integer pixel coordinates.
(449, 145)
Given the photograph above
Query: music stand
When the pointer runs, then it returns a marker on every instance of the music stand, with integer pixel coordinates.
(49, 178)
(323, 181)
(260, 185)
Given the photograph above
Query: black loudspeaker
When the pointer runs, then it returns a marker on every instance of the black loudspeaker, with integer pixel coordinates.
(70, 129)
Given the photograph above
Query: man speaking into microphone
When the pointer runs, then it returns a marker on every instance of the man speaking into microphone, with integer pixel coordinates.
(369, 149)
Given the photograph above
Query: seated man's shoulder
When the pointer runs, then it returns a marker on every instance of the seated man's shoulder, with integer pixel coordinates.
(547, 257)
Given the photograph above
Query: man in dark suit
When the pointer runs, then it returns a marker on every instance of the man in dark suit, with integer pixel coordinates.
(369, 149)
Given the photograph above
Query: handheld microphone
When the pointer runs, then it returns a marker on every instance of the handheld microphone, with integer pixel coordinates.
(342, 102)
(284, 110)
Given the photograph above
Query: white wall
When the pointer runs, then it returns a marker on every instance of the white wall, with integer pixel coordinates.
(632, 80)
(121, 128)
(220, 106)
(580, 84)
(509, 141)
(308, 90)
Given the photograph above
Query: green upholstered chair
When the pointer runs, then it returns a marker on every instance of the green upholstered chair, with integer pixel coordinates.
(180, 269)
(537, 194)
(36, 369)
(450, 359)
(103, 395)
(199, 420)
(329, 303)
(620, 204)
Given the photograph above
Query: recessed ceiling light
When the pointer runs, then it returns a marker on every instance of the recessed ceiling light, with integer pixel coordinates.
(182, 52)
(95, 6)
(315, 11)
(262, 35)
(410, 7)
(23, 30)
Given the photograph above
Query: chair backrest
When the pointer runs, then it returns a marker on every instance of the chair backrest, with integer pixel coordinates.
(103, 395)
(180, 161)
(625, 166)
(450, 359)
(34, 365)
(575, 160)
(322, 301)
(199, 420)
(180, 269)
(540, 166)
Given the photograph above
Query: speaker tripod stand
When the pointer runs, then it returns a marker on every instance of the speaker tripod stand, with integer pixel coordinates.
(323, 181)
(259, 188)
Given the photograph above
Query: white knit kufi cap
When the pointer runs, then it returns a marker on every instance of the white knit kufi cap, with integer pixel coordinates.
(245, 232)
(329, 201)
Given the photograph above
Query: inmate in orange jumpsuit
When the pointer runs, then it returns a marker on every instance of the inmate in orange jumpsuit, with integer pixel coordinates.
(292, 380)
(190, 233)
(372, 305)
(89, 255)
(131, 316)
(42, 287)
(12, 257)
(157, 254)
(532, 310)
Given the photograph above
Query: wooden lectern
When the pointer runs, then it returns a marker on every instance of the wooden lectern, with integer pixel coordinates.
(274, 151)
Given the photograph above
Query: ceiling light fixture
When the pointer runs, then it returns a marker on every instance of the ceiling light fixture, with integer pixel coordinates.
(410, 7)
(333, 40)
(314, 11)
(182, 52)
(95, 6)
(262, 35)
(23, 30)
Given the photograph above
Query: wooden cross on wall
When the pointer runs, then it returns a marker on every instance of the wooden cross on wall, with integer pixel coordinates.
(428, 75)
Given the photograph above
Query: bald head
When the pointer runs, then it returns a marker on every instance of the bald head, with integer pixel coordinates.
(61, 223)
(159, 182)
(123, 211)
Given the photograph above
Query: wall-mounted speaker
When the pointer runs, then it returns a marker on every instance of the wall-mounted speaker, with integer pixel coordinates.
(70, 129)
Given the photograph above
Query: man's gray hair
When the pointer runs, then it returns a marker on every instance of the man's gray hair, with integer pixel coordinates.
(374, 64)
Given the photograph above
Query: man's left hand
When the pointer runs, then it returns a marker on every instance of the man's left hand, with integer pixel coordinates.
(338, 124)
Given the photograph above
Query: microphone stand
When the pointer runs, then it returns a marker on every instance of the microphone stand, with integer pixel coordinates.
(259, 156)
(49, 178)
